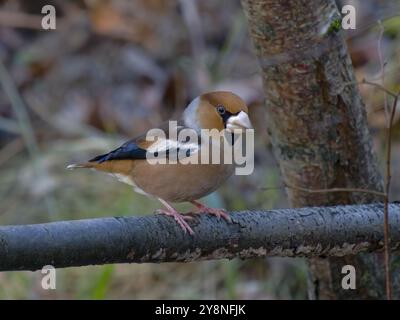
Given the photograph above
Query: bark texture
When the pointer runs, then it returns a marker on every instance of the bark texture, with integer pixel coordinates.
(306, 232)
(317, 124)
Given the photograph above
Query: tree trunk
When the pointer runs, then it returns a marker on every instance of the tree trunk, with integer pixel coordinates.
(317, 124)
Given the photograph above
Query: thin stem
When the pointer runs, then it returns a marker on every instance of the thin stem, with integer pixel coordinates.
(382, 64)
(25, 125)
(386, 201)
(374, 84)
(378, 193)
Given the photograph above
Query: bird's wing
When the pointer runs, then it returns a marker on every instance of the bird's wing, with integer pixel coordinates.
(155, 144)
(129, 150)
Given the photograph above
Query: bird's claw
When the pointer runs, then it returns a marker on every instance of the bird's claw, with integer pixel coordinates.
(219, 213)
(180, 219)
(215, 212)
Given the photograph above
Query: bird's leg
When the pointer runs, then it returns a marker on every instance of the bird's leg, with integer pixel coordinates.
(170, 211)
(216, 212)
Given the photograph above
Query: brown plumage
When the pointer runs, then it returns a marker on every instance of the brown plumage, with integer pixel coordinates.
(178, 182)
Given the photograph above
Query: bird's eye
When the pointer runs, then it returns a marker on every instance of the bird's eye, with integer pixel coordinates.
(221, 109)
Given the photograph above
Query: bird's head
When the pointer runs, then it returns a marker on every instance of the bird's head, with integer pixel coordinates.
(217, 110)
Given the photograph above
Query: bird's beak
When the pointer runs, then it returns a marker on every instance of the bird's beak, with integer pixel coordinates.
(240, 121)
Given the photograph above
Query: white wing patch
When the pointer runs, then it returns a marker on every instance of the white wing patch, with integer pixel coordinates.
(164, 145)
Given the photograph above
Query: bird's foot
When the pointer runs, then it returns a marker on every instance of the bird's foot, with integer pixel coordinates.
(180, 219)
(215, 212)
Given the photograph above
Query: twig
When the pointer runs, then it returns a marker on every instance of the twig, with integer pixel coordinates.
(378, 193)
(374, 84)
(386, 201)
(382, 64)
(389, 125)
(379, 86)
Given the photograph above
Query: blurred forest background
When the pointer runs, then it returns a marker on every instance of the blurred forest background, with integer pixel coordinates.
(113, 69)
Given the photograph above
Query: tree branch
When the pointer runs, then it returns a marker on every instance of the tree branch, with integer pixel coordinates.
(305, 232)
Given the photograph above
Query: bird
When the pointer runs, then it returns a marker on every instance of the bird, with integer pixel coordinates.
(217, 111)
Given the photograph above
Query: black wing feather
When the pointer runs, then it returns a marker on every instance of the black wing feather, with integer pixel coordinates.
(129, 150)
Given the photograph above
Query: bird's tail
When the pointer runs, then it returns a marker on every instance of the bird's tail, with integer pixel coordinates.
(80, 165)
(107, 166)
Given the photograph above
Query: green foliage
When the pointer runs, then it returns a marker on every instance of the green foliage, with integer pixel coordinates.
(335, 26)
(392, 27)
(231, 278)
(100, 289)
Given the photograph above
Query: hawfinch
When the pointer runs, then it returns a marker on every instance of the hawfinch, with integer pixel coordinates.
(176, 181)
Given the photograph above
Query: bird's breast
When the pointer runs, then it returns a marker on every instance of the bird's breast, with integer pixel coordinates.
(180, 182)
